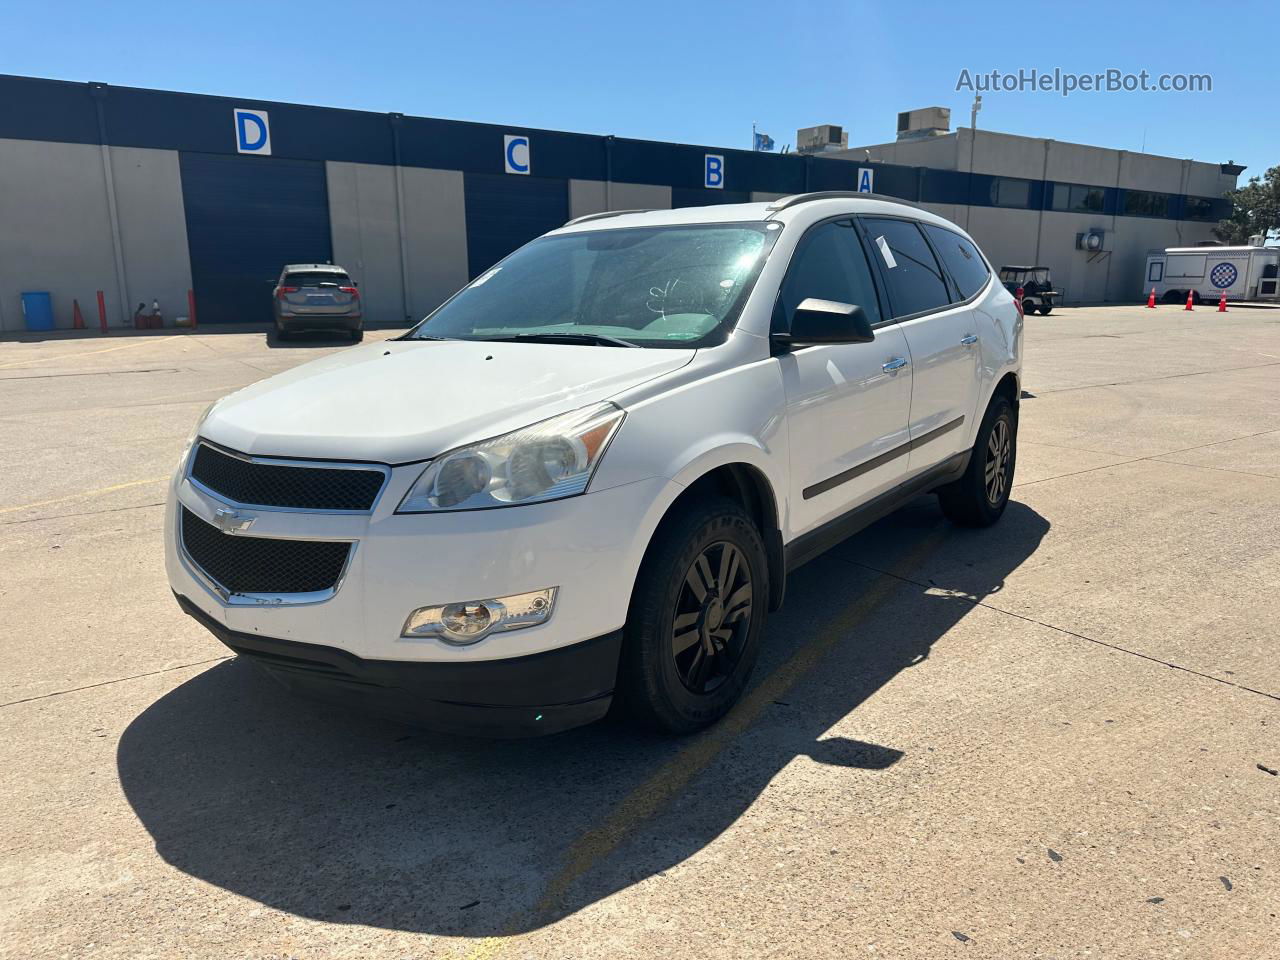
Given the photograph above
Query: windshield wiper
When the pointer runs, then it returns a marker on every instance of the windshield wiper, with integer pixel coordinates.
(594, 339)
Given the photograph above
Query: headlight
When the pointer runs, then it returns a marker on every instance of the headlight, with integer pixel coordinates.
(472, 621)
(547, 461)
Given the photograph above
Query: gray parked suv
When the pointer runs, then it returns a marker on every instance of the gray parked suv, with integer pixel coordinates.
(317, 296)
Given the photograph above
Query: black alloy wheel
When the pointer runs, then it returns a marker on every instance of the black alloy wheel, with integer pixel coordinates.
(712, 618)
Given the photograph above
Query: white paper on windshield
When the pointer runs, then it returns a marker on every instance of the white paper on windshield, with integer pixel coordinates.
(486, 277)
(885, 252)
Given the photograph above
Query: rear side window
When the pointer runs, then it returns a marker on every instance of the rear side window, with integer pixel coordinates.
(315, 278)
(828, 264)
(961, 258)
(915, 279)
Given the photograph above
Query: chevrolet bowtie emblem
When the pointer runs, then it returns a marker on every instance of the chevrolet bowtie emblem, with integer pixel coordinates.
(232, 521)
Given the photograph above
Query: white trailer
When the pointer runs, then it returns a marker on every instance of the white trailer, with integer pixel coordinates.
(1242, 273)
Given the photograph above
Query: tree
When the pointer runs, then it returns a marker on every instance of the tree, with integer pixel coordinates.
(1256, 209)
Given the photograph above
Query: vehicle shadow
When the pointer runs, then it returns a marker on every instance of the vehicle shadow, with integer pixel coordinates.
(335, 816)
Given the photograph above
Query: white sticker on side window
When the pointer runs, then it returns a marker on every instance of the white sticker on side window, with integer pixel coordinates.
(885, 252)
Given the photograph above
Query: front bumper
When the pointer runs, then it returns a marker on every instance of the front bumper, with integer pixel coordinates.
(527, 696)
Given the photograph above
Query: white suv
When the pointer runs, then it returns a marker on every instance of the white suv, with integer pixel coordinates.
(583, 480)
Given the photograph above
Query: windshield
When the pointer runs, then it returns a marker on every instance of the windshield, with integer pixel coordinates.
(669, 286)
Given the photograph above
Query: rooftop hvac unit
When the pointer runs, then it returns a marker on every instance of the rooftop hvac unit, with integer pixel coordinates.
(926, 122)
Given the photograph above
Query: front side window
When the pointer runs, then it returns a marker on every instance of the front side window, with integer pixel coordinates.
(915, 279)
(828, 264)
(1156, 272)
(962, 259)
(668, 286)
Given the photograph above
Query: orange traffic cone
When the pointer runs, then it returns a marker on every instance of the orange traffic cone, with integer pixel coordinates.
(1190, 294)
(1222, 303)
(77, 318)
(1151, 299)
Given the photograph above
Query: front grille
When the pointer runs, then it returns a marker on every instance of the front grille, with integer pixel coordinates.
(242, 564)
(283, 485)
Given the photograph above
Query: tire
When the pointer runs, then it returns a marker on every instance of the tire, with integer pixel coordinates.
(667, 683)
(973, 500)
(357, 334)
(1045, 310)
(282, 333)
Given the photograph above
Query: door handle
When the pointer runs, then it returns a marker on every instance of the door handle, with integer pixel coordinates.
(971, 338)
(897, 363)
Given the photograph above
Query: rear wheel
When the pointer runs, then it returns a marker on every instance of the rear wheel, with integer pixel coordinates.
(283, 332)
(1045, 310)
(693, 631)
(979, 497)
(357, 334)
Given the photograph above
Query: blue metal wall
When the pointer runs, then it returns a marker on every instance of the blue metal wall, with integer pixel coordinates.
(246, 218)
(506, 211)
(64, 111)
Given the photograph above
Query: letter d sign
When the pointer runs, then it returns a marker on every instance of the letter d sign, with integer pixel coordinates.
(253, 132)
(713, 171)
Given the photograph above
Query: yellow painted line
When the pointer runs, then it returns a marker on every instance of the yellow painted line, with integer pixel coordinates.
(86, 493)
(77, 356)
(649, 798)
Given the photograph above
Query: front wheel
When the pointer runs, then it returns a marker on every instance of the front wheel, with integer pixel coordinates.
(693, 631)
(1045, 310)
(979, 497)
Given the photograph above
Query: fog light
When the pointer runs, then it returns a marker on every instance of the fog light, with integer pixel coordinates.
(472, 620)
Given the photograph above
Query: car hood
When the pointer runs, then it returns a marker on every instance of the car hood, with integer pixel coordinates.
(400, 401)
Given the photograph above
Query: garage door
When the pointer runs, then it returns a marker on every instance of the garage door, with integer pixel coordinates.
(246, 218)
(505, 211)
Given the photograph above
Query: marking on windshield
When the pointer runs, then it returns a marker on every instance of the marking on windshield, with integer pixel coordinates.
(486, 277)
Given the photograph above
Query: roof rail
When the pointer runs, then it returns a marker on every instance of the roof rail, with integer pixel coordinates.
(600, 216)
(783, 203)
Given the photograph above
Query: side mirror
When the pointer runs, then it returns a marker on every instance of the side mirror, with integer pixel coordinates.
(826, 321)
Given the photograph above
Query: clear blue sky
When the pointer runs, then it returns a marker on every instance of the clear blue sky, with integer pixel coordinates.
(690, 71)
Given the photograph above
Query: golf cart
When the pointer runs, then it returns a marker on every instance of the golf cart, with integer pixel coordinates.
(1036, 284)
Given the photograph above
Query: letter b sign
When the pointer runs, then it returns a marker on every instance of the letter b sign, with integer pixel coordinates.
(713, 171)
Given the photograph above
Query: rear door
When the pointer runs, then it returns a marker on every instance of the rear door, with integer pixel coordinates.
(847, 404)
(942, 334)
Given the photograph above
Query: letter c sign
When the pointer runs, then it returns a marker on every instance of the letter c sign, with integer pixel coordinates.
(515, 153)
(253, 131)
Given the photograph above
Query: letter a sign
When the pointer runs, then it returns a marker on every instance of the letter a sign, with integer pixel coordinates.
(866, 180)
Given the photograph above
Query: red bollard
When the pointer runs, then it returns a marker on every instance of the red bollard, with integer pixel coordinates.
(1017, 295)
(102, 312)
(191, 307)
(77, 318)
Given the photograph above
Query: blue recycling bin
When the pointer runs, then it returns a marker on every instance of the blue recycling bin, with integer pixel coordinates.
(37, 307)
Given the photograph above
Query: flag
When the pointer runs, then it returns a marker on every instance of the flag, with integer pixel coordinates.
(763, 141)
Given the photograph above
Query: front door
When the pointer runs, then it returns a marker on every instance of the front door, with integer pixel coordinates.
(847, 404)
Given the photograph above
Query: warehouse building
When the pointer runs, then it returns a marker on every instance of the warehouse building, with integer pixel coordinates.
(145, 195)
(1090, 214)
